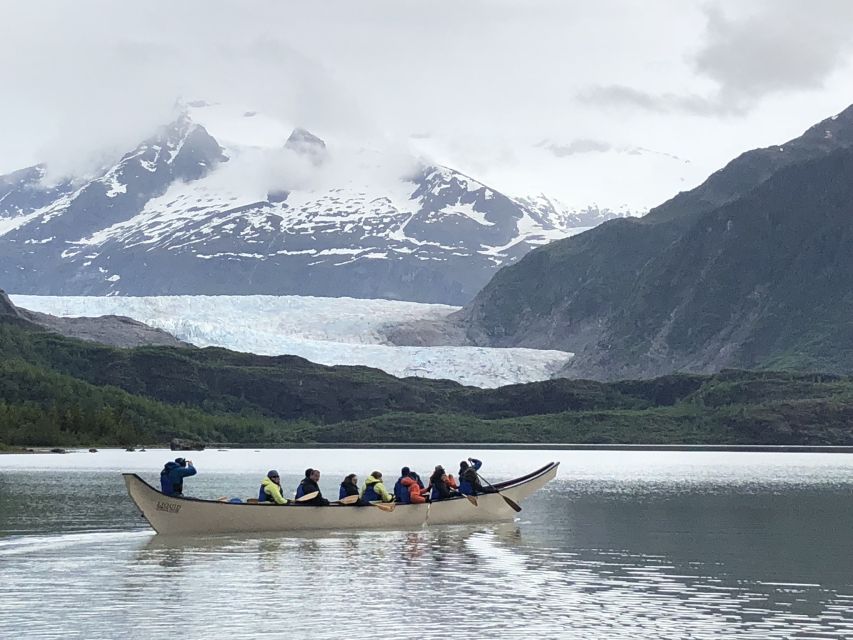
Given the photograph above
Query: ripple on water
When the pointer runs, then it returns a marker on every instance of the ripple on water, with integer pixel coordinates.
(592, 557)
(430, 583)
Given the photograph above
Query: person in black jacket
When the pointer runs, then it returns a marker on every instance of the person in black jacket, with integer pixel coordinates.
(349, 487)
(308, 485)
(442, 485)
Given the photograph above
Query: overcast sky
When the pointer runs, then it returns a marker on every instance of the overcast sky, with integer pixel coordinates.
(617, 102)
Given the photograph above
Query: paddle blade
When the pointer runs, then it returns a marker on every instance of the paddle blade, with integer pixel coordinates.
(384, 506)
(252, 500)
(512, 503)
(471, 499)
(348, 500)
(308, 496)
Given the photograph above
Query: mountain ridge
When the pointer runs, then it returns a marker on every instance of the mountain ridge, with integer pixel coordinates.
(695, 286)
(183, 214)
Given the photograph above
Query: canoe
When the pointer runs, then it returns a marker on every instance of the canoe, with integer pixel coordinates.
(173, 515)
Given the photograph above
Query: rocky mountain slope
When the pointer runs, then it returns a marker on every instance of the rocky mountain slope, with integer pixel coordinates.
(113, 330)
(184, 213)
(751, 269)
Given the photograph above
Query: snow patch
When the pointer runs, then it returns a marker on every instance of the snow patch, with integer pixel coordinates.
(468, 210)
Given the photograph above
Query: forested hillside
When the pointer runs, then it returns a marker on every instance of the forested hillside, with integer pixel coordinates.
(750, 270)
(61, 391)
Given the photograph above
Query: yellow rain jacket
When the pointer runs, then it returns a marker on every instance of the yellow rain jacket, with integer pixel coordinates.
(271, 489)
(374, 490)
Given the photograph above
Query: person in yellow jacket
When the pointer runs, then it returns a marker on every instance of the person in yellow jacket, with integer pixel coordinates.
(374, 490)
(270, 490)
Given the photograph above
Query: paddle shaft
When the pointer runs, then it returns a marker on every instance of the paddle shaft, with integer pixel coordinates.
(383, 506)
(512, 503)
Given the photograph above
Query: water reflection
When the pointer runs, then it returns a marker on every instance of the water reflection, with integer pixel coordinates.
(591, 559)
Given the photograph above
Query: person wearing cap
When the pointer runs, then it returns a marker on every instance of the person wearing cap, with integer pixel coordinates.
(374, 490)
(401, 491)
(270, 490)
(173, 474)
(310, 484)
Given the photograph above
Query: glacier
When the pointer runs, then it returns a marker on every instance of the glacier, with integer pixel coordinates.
(330, 331)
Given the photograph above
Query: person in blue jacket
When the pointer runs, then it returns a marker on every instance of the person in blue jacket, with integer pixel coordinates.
(401, 492)
(469, 481)
(173, 474)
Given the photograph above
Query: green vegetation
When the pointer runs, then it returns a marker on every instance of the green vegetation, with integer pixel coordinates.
(56, 391)
(751, 270)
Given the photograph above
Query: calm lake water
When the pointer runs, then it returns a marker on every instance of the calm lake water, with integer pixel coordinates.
(621, 545)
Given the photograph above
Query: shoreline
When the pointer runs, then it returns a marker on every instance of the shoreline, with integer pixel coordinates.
(536, 446)
(560, 446)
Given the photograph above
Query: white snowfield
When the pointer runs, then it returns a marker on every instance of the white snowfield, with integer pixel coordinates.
(344, 331)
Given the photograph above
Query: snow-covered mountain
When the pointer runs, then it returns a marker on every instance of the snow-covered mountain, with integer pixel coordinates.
(324, 330)
(551, 213)
(256, 210)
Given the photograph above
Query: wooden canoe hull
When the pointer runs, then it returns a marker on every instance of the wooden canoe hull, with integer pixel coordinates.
(171, 515)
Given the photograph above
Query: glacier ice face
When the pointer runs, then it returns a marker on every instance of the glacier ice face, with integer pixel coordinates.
(331, 331)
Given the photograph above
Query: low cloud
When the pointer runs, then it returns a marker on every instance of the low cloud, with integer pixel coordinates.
(750, 52)
(621, 96)
(581, 145)
(781, 45)
(260, 171)
(100, 89)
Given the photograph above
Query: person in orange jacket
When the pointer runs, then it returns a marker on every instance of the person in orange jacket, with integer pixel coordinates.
(411, 484)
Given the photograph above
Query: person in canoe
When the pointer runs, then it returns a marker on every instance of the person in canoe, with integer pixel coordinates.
(310, 484)
(442, 485)
(349, 487)
(374, 490)
(401, 491)
(469, 479)
(414, 489)
(173, 474)
(270, 490)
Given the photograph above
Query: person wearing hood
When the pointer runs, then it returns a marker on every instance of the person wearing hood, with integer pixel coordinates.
(469, 480)
(401, 492)
(442, 485)
(270, 490)
(414, 488)
(374, 490)
(173, 474)
(310, 484)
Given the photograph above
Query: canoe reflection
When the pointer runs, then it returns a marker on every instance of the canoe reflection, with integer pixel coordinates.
(270, 552)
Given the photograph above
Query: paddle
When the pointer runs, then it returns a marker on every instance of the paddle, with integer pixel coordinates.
(471, 499)
(348, 499)
(308, 496)
(384, 506)
(512, 503)
(305, 498)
